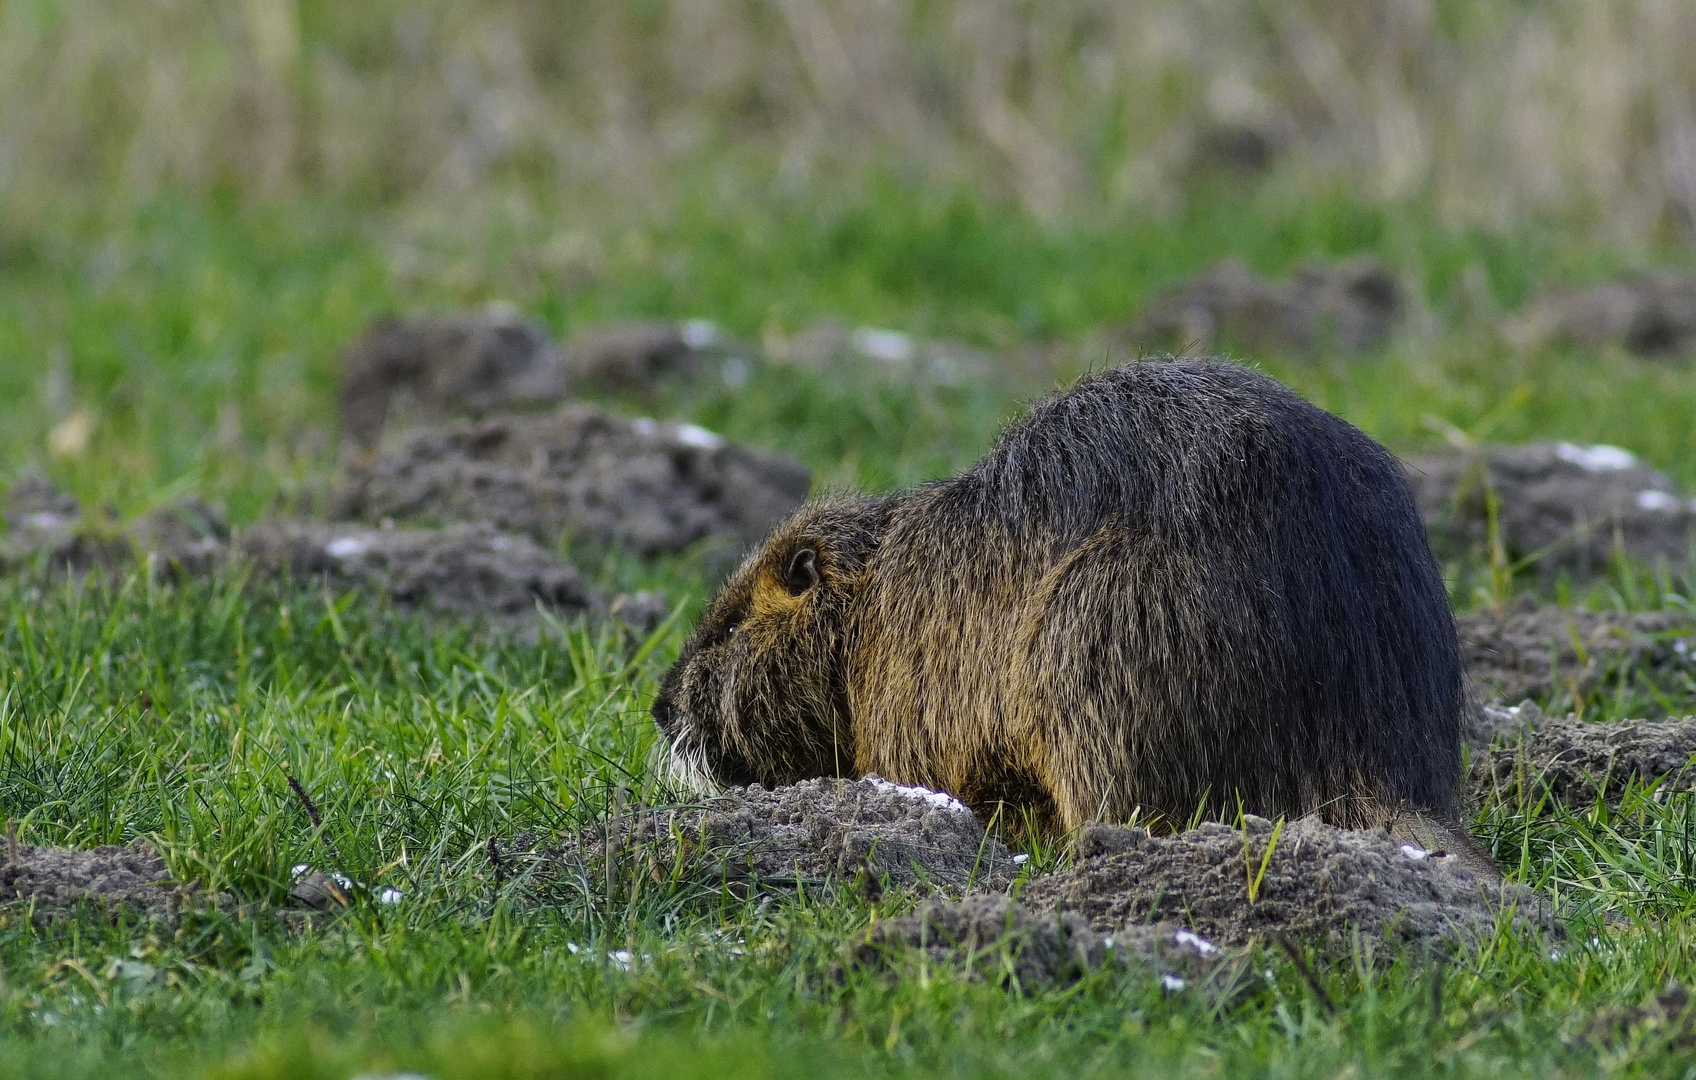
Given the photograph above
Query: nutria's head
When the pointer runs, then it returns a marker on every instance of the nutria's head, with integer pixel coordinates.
(759, 693)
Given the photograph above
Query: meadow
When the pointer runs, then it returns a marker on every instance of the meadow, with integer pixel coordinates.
(171, 324)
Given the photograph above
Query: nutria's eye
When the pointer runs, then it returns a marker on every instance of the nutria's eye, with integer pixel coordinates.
(803, 572)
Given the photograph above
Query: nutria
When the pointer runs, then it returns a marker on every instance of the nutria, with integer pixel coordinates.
(1176, 588)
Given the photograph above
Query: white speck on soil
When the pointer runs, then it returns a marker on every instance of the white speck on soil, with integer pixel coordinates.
(700, 333)
(347, 547)
(1195, 941)
(698, 437)
(890, 346)
(1596, 459)
(940, 799)
(1656, 501)
(1172, 983)
(1414, 853)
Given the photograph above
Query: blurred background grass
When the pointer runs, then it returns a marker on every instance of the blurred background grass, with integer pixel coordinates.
(202, 202)
(1499, 113)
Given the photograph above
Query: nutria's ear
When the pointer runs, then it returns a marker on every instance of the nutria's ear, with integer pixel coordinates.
(803, 571)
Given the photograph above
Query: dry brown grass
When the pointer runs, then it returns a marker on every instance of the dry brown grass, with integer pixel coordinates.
(1499, 111)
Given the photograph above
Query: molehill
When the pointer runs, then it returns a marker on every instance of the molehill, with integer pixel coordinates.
(580, 472)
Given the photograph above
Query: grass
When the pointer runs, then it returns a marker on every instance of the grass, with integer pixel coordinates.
(200, 337)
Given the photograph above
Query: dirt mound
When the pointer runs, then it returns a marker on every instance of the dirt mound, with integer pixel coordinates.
(429, 369)
(810, 833)
(1529, 754)
(635, 356)
(1317, 883)
(1351, 306)
(46, 527)
(54, 879)
(1563, 506)
(460, 571)
(1001, 939)
(1554, 654)
(34, 506)
(1651, 315)
(579, 471)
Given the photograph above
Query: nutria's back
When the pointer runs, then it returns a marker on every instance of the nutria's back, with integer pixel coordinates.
(1176, 581)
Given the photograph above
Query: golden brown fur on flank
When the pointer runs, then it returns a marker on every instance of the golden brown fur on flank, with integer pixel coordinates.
(1170, 588)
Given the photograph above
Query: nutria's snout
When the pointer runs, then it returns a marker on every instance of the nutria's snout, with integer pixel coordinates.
(681, 754)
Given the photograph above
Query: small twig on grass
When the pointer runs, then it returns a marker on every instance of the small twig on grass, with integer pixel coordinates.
(1307, 973)
(317, 821)
(495, 861)
(12, 844)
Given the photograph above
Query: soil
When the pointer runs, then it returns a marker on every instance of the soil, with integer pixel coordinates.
(1319, 884)
(1651, 315)
(580, 472)
(1002, 940)
(1528, 754)
(632, 356)
(808, 834)
(45, 526)
(1555, 654)
(429, 369)
(462, 571)
(56, 880)
(1560, 506)
(1352, 306)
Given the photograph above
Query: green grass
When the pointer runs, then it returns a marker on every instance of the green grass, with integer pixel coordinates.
(202, 339)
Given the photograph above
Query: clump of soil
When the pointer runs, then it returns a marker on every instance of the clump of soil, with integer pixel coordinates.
(1562, 506)
(56, 880)
(1671, 1014)
(48, 527)
(1001, 939)
(1550, 653)
(36, 507)
(1352, 306)
(579, 471)
(1651, 315)
(460, 571)
(1318, 884)
(810, 833)
(1575, 763)
(429, 369)
(636, 356)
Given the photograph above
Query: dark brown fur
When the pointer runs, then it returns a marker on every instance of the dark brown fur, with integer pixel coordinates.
(1173, 587)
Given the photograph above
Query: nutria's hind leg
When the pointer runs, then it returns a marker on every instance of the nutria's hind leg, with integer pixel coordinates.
(1086, 773)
